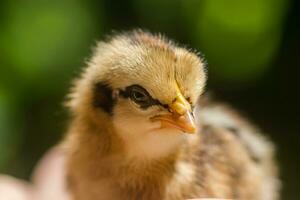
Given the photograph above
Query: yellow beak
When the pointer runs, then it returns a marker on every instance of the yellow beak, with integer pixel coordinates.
(181, 117)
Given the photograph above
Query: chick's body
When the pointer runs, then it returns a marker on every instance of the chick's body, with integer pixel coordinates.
(131, 109)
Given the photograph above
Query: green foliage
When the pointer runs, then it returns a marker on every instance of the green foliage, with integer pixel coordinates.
(10, 136)
(45, 38)
(239, 38)
(43, 44)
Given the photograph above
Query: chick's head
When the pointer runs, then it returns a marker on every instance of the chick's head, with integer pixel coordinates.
(145, 85)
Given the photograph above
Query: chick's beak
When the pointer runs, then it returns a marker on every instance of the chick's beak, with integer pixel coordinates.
(181, 116)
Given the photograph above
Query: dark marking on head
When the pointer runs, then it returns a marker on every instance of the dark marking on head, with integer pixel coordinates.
(233, 130)
(146, 101)
(255, 158)
(103, 97)
(173, 101)
(189, 100)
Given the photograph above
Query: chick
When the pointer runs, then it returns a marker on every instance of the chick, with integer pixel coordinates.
(141, 129)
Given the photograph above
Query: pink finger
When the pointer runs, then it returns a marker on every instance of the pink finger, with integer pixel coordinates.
(49, 177)
(14, 189)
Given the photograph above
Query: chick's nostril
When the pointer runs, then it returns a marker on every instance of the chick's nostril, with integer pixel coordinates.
(178, 108)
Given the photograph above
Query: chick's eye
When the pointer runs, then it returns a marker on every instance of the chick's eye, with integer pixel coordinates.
(139, 96)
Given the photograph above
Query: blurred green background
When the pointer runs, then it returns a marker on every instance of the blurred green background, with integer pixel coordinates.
(252, 48)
